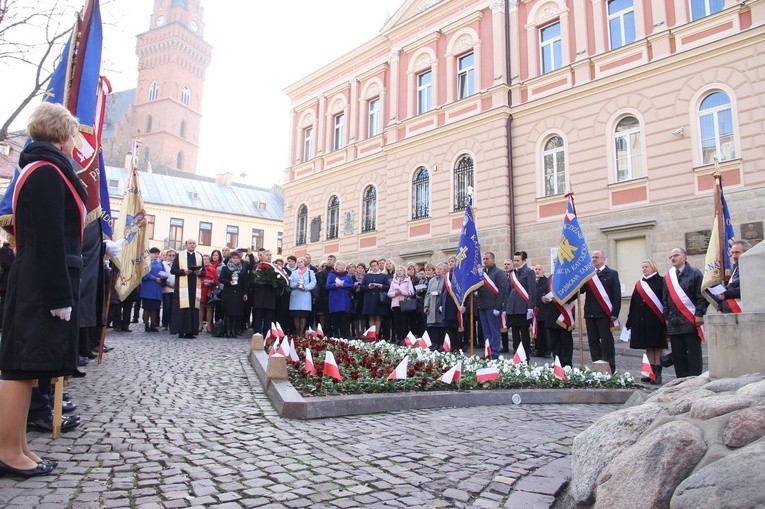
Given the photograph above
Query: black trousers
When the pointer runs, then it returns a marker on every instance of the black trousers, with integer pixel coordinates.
(561, 343)
(338, 325)
(522, 335)
(167, 308)
(261, 320)
(601, 341)
(436, 337)
(686, 354)
(542, 345)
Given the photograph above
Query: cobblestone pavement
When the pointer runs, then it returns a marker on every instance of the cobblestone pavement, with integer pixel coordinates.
(170, 422)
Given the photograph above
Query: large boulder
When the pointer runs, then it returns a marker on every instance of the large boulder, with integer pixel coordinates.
(721, 404)
(745, 426)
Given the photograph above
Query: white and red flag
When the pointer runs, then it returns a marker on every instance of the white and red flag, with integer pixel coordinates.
(487, 350)
(400, 372)
(319, 331)
(520, 355)
(558, 370)
(309, 367)
(487, 374)
(330, 367)
(280, 332)
(410, 340)
(310, 332)
(274, 348)
(453, 375)
(268, 335)
(284, 348)
(294, 357)
(274, 331)
(646, 369)
(425, 341)
(447, 343)
(370, 333)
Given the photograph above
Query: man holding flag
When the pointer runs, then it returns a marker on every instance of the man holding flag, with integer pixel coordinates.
(491, 302)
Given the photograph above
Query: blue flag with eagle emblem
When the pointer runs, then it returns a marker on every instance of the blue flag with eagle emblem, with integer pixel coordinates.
(468, 268)
(573, 265)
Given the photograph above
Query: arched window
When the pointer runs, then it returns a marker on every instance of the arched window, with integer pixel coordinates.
(302, 225)
(463, 179)
(369, 209)
(716, 128)
(186, 95)
(554, 160)
(148, 124)
(179, 161)
(333, 217)
(153, 91)
(182, 130)
(628, 149)
(421, 193)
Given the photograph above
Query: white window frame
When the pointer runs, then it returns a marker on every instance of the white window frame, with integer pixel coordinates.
(424, 92)
(153, 91)
(706, 5)
(186, 95)
(621, 15)
(338, 141)
(550, 46)
(307, 143)
(333, 218)
(465, 77)
(715, 112)
(553, 154)
(301, 225)
(626, 136)
(374, 107)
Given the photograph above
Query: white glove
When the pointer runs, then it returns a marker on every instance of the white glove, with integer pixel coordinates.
(113, 248)
(496, 312)
(440, 309)
(529, 314)
(62, 313)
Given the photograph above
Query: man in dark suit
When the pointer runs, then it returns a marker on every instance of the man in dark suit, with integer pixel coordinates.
(540, 308)
(733, 288)
(520, 301)
(599, 321)
(491, 301)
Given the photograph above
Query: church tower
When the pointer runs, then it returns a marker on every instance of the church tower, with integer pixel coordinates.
(172, 59)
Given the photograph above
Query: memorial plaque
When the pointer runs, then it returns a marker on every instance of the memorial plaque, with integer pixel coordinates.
(349, 217)
(316, 229)
(697, 242)
(751, 232)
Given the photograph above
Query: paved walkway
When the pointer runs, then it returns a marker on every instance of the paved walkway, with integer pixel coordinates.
(171, 422)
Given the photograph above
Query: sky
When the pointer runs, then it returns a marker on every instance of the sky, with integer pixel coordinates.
(259, 48)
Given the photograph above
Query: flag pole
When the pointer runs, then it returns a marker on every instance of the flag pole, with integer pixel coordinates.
(106, 317)
(579, 320)
(472, 324)
(717, 175)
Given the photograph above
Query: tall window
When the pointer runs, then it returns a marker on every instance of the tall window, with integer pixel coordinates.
(554, 158)
(550, 44)
(175, 235)
(307, 143)
(716, 128)
(339, 141)
(628, 149)
(701, 8)
(148, 123)
(205, 234)
(466, 76)
(621, 22)
(333, 217)
(232, 236)
(421, 193)
(182, 129)
(153, 91)
(257, 238)
(279, 242)
(302, 225)
(179, 161)
(149, 226)
(424, 92)
(186, 95)
(374, 117)
(463, 179)
(369, 209)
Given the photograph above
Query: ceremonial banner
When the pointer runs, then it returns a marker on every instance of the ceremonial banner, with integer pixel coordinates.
(716, 269)
(468, 268)
(133, 260)
(573, 265)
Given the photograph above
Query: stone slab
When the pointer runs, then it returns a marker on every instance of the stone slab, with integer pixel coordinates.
(289, 403)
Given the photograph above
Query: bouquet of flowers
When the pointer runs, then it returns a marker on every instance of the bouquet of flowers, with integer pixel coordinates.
(267, 274)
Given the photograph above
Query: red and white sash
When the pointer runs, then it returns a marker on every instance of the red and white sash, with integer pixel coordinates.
(650, 298)
(566, 318)
(490, 284)
(599, 291)
(518, 286)
(535, 324)
(682, 302)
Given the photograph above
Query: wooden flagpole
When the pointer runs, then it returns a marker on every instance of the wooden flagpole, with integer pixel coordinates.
(722, 247)
(108, 302)
(472, 324)
(579, 321)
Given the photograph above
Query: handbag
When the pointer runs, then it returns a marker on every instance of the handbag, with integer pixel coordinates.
(408, 305)
(384, 299)
(666, 360)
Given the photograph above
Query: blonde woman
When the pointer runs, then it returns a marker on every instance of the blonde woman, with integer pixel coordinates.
(645, 320)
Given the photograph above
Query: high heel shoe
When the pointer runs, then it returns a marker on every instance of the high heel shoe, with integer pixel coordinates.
(42, 468)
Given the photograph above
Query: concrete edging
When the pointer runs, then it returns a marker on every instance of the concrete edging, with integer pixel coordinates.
(289, 403)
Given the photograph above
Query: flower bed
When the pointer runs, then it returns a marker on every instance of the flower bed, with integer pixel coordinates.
(365, 368)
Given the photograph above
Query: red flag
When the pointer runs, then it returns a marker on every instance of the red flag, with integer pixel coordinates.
(309, 367)
(293, 353)
(447, 343)
(370, 333)
(319, 331)
(558, 370)
(487, 374)
(400, 372)
(330, 367)
(487, 350)
(646, 369)
(520, 355)
(453, 375)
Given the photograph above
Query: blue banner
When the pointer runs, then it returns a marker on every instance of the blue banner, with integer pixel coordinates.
(468, 268)
(573, 265)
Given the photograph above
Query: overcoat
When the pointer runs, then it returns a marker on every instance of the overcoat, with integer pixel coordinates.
(647, 329)
(232, 300)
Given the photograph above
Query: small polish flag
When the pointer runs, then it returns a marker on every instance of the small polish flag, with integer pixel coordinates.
(400, 372)
(410, 340)
(425, 341)
(268, 335)
(309, 332)
(487, 350)
(274, 348)
(274, 331)
(646, 369)
(370, 333)
(293, 353)
(309, 367)
(558, 370)
(284, 348)
(330, 367)
(453, 375)
(279, 328)
(447, 343)
(520, 355)
(487, 374)
(319, 331)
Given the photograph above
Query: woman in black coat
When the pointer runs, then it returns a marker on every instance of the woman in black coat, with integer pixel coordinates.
(645, 321)
(40, 333)
(374, 287)
(235, 281)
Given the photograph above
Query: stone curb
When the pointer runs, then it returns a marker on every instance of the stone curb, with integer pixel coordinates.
(290, 404)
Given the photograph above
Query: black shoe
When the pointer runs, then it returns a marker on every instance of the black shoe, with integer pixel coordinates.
(78, 374)
(90, 355)
(66, 396)
(153, 329)
(125, 329)
(46, 424)
(68, 407)
(50, 461)
(42, 468)
(82, 361)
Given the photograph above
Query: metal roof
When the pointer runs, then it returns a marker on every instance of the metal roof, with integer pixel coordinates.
(201, 193)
